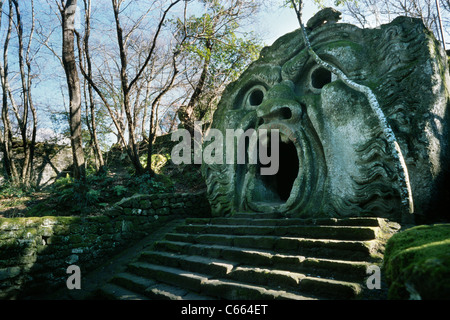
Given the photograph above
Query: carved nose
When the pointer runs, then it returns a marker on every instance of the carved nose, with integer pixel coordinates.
(281, 104)
(275, 113)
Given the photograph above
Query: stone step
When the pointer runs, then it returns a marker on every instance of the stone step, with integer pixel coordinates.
(219, 288)
(266, 277)
(319, 248)
(256, 215)
(312, 232)
(326, 268)
(358, 222)
(132, 282)
(152, 289)
(297, 282)
(258, 256)
(207, 265)
(112, 291)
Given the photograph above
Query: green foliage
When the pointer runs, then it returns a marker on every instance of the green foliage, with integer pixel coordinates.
(120, 190)
(10, 190)
(228, 53)
(146, 184)
(75, 194)
(216, 43)
(72, 196)
(159, 161)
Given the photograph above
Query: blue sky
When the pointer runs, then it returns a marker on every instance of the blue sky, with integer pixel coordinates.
(276, 21)
(49, 90)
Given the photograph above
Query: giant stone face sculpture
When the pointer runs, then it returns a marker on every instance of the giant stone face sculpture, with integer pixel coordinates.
(334, 158)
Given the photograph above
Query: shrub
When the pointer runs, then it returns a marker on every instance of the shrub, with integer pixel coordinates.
(10, 190)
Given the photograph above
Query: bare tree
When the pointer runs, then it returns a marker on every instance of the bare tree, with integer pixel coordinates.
(154, 105)
(27, 104)
(126, 85)
(68, 10)
(371, 13)
(135, 74)
(91, 116)
(21, 111)
(8, 159)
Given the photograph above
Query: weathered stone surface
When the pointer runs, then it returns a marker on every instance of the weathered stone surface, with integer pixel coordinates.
(334, 156)
(233, 266)
(326, 15)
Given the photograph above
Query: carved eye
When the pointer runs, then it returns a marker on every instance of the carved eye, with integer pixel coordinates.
(255, 96)
(320, 77)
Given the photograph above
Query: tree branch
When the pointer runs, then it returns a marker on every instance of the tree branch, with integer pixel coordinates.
(152, 49)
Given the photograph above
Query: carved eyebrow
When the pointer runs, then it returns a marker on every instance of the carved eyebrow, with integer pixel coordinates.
(266, 73)
(294, 67)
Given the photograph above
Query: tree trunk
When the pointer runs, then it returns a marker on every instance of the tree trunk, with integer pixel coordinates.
(126, 92)
(155, 102)
(73, 83)
(28, 147)
(8, 160)
(33, 136)
(441, 28)
(93, 125)
(187, 113)
(24, 119)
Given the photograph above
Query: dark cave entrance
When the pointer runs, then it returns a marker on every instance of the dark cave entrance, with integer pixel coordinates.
(278, 187)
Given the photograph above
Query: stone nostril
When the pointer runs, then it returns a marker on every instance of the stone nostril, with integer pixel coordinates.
(260, 122)
(277, 114)
(285, 113)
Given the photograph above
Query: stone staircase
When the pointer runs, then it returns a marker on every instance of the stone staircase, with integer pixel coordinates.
(257, 256)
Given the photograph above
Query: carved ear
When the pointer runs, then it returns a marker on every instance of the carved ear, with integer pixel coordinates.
(359, 167)
(412, 83)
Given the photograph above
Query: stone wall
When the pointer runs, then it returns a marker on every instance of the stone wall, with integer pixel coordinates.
(36, 252)
(161, 205)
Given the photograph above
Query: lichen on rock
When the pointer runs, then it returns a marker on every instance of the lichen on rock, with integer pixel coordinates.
(334, 154)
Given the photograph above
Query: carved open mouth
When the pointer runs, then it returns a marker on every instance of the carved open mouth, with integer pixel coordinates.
(274, 192)
(280, 184)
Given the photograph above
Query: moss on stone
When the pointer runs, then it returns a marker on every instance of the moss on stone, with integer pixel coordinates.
(417, 263)
(355, 47)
